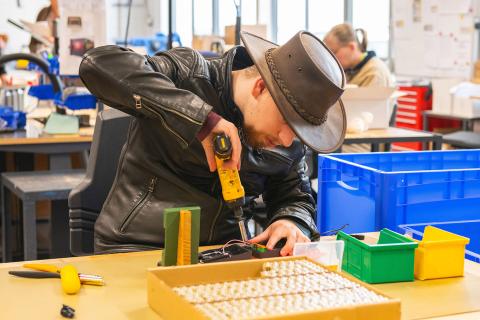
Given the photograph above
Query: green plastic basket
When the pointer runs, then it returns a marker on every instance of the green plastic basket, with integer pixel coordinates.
(390, 260)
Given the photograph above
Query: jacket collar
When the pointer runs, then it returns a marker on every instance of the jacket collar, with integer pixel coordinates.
(359, 66)
(235, 59)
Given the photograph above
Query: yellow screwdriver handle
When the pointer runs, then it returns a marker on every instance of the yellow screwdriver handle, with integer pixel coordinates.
(70, 280)
(232, 189)
(41, 267)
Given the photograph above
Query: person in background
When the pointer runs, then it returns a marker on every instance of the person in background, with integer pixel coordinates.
(362, 67)
(48, 14)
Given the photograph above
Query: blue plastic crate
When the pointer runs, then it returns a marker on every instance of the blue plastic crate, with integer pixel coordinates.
(13, 119)
(466, 228)
(384, 190)
(42, 92)
(77, 101)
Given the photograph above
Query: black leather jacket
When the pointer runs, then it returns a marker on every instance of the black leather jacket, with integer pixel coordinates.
(163, 164)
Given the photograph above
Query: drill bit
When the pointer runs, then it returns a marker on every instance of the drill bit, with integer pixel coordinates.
(238, 212)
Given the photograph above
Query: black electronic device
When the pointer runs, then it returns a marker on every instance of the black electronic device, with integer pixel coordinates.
(232, 252)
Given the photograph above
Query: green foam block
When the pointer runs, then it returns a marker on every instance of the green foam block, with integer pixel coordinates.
(171, 219)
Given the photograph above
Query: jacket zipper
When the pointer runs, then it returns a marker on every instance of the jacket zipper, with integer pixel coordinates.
(138, 105)
(138, 101)
(139, 98)
(210, 236)
(139, 205)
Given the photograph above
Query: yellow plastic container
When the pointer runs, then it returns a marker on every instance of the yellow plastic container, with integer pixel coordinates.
(22, 64)
(440, 254)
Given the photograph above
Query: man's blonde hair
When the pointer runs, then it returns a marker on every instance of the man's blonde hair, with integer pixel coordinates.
(251, 72)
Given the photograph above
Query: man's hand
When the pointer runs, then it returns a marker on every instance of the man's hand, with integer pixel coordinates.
(282, 228)
(231, 131)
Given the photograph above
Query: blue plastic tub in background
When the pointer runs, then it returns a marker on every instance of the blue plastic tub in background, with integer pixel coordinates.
(42, 92)
(384, 190)
(13, 120)
(77, 101)
(468, 228)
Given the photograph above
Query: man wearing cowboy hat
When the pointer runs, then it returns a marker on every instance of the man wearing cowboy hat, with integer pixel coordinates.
(270, 100)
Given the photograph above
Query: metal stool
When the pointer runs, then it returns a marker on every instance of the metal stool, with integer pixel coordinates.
(32, 186)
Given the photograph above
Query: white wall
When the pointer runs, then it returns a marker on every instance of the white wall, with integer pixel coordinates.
(28, 11)
(147, 18)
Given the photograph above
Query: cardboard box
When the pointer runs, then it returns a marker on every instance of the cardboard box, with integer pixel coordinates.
(466, 99)
(466, 106)
(256, 29)
(376, 100)
(207, 43)
(170, 305)
(442, 100)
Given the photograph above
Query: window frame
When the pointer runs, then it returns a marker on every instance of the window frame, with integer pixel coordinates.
(347, 14)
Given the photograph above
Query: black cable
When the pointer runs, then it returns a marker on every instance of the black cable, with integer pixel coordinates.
(170, 25)
(42, 64)
(334, 231)
(238, 21)
(128, 22)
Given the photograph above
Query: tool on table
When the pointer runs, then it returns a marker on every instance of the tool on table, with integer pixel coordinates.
(67, 311)
(70, 278)
(232, 189)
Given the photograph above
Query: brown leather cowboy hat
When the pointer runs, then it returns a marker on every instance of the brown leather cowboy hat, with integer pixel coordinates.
(306, 82)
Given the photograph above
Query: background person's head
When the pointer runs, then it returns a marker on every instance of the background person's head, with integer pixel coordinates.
(347, 44)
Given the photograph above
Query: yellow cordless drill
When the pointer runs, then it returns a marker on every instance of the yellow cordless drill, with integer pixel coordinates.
(232, 189)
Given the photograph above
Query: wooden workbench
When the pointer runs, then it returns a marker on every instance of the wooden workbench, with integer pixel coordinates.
(376, 137)
(125, 295)
(59, 147)
(20, 138)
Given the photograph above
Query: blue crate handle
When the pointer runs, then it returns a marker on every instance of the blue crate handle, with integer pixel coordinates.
(344, 185)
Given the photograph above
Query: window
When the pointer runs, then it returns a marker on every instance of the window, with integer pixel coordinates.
(377, 28)
(317, 16)
(323, 15)
(290, 19)
(228, 13)
(202, 17)
(265, 16)
(183, 10)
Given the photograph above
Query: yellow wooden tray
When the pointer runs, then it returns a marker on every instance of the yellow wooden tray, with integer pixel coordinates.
(170, 305)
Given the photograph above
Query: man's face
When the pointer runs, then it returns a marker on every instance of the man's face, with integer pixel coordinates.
(264, 125)
(343, 53)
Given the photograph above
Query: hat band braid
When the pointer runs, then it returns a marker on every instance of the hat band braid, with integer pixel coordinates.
(286, 92)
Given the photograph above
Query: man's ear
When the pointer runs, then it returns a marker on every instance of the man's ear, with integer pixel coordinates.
(258, 87)
(352, 45)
